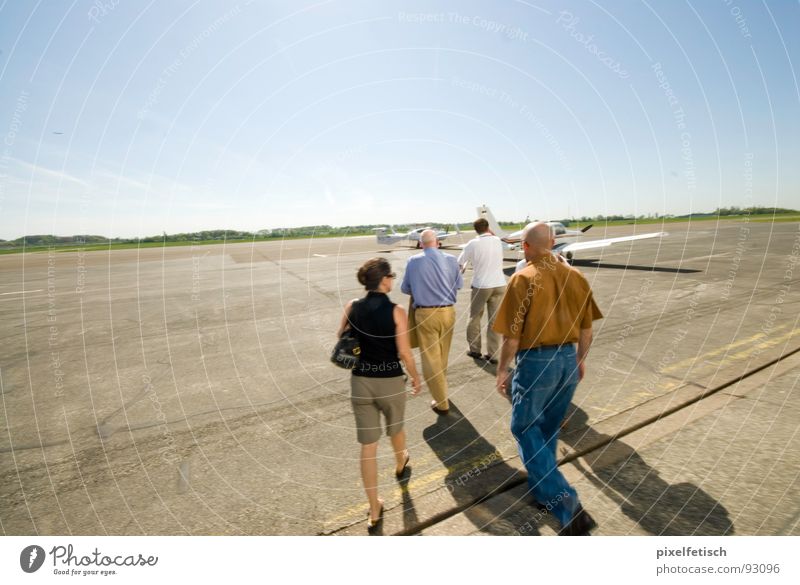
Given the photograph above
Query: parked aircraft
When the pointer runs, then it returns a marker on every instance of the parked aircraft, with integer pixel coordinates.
(565, 247)
(413, 237)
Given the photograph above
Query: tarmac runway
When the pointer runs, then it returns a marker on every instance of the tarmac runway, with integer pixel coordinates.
(187, 390)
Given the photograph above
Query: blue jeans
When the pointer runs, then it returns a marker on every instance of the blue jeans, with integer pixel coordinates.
(541, 389)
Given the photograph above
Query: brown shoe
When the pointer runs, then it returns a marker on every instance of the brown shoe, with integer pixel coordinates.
(439, 411)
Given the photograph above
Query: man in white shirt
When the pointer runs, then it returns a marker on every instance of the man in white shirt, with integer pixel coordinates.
(485, 253)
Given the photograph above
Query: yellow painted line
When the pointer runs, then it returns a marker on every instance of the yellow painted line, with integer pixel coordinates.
(601, 409)
(723, 349)
(756, 349)
(417, 484)
(647, 394)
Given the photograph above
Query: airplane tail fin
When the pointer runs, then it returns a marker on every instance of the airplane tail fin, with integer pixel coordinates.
(384, 237)
(486, 213)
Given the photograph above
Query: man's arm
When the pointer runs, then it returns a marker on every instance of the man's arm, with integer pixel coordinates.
(464, 258)
(405, 286)
(507, 353)
(404, 347)
(590, 313)
(584, 342)
(459, 276)
(509, 322)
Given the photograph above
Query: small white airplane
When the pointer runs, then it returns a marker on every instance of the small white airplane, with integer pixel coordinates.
(390, 239)
(564, 247)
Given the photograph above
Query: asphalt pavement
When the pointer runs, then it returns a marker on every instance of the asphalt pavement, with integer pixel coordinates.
(188, 391)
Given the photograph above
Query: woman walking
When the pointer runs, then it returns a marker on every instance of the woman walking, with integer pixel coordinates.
(378, 382)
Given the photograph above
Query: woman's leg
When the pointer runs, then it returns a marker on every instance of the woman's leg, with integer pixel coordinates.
(368, 426)
(369, 475)
(400, 452)
(392, 402)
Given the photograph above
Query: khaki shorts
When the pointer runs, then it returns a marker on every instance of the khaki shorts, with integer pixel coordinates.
(373, 396)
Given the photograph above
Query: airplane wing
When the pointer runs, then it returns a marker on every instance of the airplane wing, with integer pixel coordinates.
(443, 235)
(517, 236)
(575, 246)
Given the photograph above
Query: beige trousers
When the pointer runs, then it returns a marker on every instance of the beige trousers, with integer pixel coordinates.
(435, 333)
(481, 299)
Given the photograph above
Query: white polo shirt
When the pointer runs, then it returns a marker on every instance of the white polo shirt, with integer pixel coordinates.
(485, 253)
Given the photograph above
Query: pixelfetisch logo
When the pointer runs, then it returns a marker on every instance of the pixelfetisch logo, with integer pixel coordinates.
(31, 558)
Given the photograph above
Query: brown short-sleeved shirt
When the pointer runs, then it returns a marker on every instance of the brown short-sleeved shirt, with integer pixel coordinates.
(546, 303)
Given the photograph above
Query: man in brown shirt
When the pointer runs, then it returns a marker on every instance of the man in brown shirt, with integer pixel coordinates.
(548, 308)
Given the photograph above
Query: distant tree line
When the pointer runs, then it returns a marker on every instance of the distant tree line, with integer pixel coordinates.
(315, 231)
(318, 231)
(752, 211)
(721, 211)
(50, 240)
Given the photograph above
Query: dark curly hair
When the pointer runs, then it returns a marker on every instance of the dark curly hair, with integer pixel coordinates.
(373, 271)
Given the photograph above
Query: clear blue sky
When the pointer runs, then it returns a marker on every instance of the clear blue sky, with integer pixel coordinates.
(181, 116)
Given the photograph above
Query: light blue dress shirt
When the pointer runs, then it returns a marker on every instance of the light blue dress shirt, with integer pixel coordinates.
(433, 278)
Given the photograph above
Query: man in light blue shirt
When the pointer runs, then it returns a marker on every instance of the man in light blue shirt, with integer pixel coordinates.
(433, 278)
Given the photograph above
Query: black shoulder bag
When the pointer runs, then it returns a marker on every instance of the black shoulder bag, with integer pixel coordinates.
(347, 350)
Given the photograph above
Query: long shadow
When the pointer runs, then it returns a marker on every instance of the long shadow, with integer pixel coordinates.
(410, 516)
(595, 263)
(642, 494)
(476, 471)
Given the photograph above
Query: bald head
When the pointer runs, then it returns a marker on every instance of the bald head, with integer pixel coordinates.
(539, 238)
(428, 238)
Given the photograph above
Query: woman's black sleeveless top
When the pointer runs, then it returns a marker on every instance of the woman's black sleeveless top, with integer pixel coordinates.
(372, 318)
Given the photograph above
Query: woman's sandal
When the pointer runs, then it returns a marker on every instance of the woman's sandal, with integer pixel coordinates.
(399, 474)
(372, 525)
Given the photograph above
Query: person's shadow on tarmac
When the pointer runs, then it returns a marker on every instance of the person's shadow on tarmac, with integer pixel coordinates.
(475, 472)
(660, 508)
